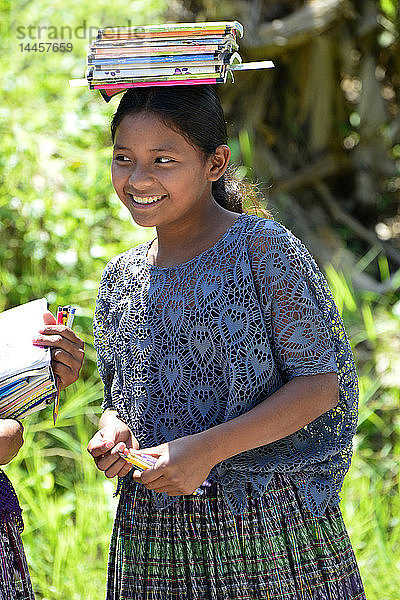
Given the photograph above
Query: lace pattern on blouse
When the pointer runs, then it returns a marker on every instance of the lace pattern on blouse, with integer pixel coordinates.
(181, 349)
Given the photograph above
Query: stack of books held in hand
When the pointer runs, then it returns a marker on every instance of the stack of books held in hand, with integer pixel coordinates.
(27, 382)
(169, 54)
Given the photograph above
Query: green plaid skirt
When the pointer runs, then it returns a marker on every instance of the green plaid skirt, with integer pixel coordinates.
(197, 549)
(15, 583)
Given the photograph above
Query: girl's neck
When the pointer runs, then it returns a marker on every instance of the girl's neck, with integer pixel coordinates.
(189, 238)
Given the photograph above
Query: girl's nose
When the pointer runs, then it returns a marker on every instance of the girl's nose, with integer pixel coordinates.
(139, 177)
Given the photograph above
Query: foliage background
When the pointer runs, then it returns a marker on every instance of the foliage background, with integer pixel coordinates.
(60, 221)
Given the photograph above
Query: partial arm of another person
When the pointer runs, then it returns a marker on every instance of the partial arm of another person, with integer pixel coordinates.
(11, 439)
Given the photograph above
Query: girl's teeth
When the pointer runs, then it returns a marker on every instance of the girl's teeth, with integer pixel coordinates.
(148, 200)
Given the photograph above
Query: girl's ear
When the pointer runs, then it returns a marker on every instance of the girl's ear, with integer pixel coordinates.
(218, 162)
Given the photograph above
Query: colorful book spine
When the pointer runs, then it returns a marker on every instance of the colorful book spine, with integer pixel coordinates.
(150, 43)
(164, 80)
(117, 74)
(224, 27)
(167, 51)
(124, 69)
(151, 59)
(125, 86)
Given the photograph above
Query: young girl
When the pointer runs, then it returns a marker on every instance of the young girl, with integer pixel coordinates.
(67, 357)
(222, 355)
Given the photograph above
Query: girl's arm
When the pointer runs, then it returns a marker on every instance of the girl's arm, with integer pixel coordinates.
(185, 463)
(11, 439)
(113, 437)
(289, 409)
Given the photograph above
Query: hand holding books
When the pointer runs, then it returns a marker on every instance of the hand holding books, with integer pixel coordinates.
(28, 370)
(67, 349)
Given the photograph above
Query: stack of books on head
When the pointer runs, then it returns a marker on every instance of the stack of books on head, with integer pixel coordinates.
(27, 382)
(171, 54)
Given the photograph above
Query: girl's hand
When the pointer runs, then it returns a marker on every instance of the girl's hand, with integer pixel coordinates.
(67, 350)
(105, 445)
(11, 439)
(182, 466)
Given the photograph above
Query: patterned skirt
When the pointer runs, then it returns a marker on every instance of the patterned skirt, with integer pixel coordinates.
(196, 549)
(15, 583)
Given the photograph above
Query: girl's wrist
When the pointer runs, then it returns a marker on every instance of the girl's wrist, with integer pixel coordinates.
(110, 417)
(212, 445)
(226, 440)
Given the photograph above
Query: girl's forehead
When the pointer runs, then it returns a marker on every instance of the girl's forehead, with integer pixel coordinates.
(147, 128)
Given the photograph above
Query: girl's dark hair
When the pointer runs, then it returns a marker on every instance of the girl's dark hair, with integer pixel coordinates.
(195, 112)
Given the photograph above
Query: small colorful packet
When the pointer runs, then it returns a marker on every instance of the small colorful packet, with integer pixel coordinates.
(145, 461)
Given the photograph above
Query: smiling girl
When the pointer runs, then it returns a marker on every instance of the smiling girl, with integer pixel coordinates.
(224, 357)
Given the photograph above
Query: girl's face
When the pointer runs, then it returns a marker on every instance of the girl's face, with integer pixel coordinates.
(158, 175)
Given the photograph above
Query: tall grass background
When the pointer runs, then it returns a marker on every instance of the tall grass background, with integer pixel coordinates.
(60, 221)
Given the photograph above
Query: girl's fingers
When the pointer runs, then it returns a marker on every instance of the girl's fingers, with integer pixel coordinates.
(67, 349)
(171, 490)
(111, 460)
(99, 447)
(136, 475)
(163, 487)
(101, 443)
(149, 476)
(160, 484)
(112, 464)
(104, 462)
(155, 451)
(61, 356)
(74, 346)
(66, 374)
(120, 468)
(64, 332)
(67, 352)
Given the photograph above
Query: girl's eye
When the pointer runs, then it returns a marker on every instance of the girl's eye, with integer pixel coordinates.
(120, 158)
(164, 160)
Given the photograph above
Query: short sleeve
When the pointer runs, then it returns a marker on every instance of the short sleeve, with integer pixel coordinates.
(104, 337)
(296, 303)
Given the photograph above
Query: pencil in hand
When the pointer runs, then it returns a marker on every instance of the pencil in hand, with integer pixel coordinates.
(145, 461)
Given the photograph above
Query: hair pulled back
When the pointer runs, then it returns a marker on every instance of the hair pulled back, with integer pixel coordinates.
(196, 113)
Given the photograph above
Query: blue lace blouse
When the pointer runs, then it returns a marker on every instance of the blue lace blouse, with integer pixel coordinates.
(181, 349)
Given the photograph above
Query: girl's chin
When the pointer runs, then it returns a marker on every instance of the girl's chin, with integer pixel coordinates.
(144, 218)
(143, 222)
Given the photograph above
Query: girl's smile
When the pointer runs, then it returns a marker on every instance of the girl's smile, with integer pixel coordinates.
(145, 201)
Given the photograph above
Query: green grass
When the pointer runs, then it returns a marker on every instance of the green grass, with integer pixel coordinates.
(371, 499)
(371, 510)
